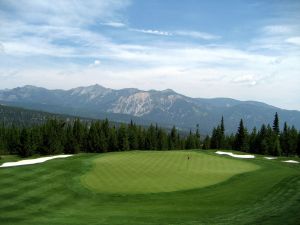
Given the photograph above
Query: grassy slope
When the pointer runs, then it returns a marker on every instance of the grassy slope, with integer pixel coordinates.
(153, 172)
(9, 158)
(53, 194)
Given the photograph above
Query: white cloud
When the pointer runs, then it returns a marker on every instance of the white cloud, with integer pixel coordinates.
(155, 32)
(193, 34)
(1, 48)
(278, 39)
(9, 74)
(293, 40)
(278, 29)
(96, 62)
(33, 47)
(245, 79)
(114, 24)
(63, 12)
(19, 39)
(190, 55)
(196, 34)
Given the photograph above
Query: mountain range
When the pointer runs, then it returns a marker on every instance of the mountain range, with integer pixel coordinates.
(166, 107)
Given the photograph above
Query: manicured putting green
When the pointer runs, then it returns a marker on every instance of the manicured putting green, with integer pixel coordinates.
(153, 172)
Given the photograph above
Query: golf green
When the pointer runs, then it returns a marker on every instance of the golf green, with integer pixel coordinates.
(153, 172)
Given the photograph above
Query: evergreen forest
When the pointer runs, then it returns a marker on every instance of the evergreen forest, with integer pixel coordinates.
(57, 136)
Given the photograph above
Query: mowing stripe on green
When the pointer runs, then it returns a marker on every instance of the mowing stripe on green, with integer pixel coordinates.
(153, 172)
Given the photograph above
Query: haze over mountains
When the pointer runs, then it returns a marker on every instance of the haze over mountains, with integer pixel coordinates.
(144, 107)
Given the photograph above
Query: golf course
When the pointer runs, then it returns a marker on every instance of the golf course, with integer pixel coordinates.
(151, 187)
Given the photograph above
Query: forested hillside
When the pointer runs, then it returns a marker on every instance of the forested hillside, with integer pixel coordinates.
(25, 117)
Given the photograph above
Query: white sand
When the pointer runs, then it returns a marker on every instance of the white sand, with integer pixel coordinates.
(235, 155)
(291, 161)
(33, 161)
(270, 157)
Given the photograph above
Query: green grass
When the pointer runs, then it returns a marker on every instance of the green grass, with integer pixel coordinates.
(154, 172)
(53, 193)
(9, 158)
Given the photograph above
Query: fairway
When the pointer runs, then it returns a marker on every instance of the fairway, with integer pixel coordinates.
(161, 188)
(153, 172)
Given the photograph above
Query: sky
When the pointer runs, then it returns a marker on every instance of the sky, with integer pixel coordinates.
(242, 49)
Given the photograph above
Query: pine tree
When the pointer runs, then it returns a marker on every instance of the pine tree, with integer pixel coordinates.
(52, 137)
(3, 145)
(105, 128)
(13, 141)
(262, 140)
(276, 124)
(112, 140)
(253, 146)
(298, 147)
(222, 135)
(190, 141)
(123, 144)
(270, 140)
(241, 140)
(222, 127)
(151, 137)
(97, 139)
(78, 134)
(35, 139)
(103, 145)
(276, 147)
(284, 139)
(206, 143)
(293, 141)
(216, 137)
(141, 134)
(93, 139)
(162, 142)
(180, 143)
(173, 138)
(25, 148)
(230, 141)
(84, 142)
(71, 146)
(132, 136)
(197, 137)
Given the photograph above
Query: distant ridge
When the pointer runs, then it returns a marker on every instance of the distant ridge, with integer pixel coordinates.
(165, 107)
(10, 115)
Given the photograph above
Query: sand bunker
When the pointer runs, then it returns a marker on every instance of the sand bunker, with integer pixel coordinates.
(291, 161)
(270, 157)
(33, 161)
(235, 155)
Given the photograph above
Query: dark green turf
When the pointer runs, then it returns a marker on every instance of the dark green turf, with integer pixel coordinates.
(52, 193)
(9, 158)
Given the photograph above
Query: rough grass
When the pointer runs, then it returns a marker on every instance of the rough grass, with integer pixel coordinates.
(153, 172)
(52, 193)
(9, 158)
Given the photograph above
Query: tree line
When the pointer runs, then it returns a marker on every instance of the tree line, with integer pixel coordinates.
(268, 140)
(57, 136)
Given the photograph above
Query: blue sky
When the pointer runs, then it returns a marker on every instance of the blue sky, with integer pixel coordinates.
(248, 50)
